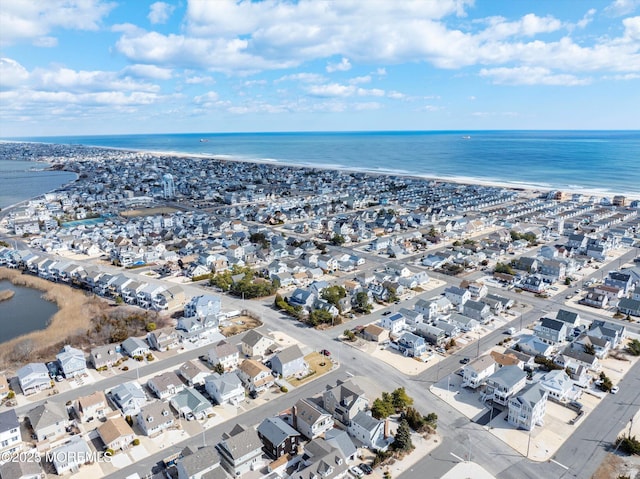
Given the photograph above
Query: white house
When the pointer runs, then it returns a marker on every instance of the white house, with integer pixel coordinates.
(225, 354)
(226, 388)
(33, 378)
(10, 437)
(310, 420)
(527, 409)
(395, 323)
(368, 430)
(155, 418)
(477, 371)
(72, 362)
(70, 456)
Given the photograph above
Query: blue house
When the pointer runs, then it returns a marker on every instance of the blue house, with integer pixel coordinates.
(412, 345)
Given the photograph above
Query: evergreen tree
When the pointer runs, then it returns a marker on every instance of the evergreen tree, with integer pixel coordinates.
(402, 439)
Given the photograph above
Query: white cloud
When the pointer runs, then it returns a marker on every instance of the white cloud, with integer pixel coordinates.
(12, 74)
(371, 105)
(159, 12)
(396, 95)
(26, 19)
(197, 79)
(586, 19)
(210, 96)
(343, 66)
(531, 76)
(622, 7)
(302, 77)
(370, 92)
(360, 80)
(431, 108)
(331, 90)
(381, 72)
(149, 71)
(45, 42)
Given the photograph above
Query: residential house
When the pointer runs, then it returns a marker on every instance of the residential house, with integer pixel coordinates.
(155, 418)
(477, 310)
(477, 371)
(600, 346)
(551, 331)
(302, 298)
(310, 420)
(629, 306)
(70, 456)
(375, 333)
(163, 339)
(342, 442)
(505, 383)
(93, 406)
(116, 433)
(451, 330)
(4, 387)
(369, 431)
(10, 437)
(225, 354)
(559, 386)
(412, 345)
(135, 347)
(105, 356)
(457, 296)
(194, 372)
(621, 280)
(165, 385)
(225, 388)
(48, 421)
(278, 438)
(595, 300)
(527, 409)
(129, 397)
(190, 404)
(344, 401)
(530, 344)
(613, 332)
(572, 319)
(289, 362)
(255, 375)
(21, 470)
(506, 359)
(395, 323)
(428, 309)
(433, 334)
(552, 270)
(255, 344)
(572, 359)
(240, 450)
(321, 460)
(33, 378)
(533, 283)
(203, 463)
(72, 362)
(464, 323)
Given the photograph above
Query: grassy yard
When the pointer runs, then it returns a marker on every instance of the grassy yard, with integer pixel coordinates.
(318, 364)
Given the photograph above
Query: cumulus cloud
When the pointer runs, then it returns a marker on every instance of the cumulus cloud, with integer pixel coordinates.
(159, 12)
(24, 19)
(150, 71)
(12, 74)
(622, 7)
(302, 77)
(531, 76)
(331, 90)
(249, 37)
(343, 66)
(359, 80)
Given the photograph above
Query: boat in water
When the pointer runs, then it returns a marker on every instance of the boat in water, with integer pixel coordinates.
(466, 137)
(203, 140)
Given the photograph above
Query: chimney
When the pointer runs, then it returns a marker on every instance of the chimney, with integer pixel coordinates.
(294, 417)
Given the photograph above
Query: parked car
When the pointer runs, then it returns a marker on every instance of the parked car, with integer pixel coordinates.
(366, 468)
(325, 352)
(464, 361)
(614, 390)
(386, 313)
(356, 471)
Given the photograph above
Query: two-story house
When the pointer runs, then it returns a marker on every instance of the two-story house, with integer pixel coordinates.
(551, 331)
(49, 421)
(369, 431)
(10, 437)
(155, 418)
(33, 378)
(412, 345)
(72, 362)
(93, 406)
(116, 433)
(225, 388)
(310, 420)
(278, 437)
(477, 371)
(165, 385)
(344, 401)
(225, 354)
(505, 383)
(527, 409)
(239, 450)
(289, 362)
(255, 375)
(255, 344)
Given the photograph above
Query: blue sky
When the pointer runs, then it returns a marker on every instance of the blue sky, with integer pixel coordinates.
(80, 67)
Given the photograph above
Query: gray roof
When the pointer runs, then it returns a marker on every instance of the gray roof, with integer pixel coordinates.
(243, 441)
(191, 399)
(341, 441)
(16, 470)
(156, 410)
(531, 395)
(131, 344)
(194, 462)
(366, 421)
(8, 420)
(47, 414)
(508, 376)
(290, 354)
(566, 316)
(552, 324)
(276, 430)
(253, 337)
(224, 383)
(223, 349)
(32, 368)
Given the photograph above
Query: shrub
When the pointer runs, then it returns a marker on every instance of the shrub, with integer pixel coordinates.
(151, 327)
(284, 389)
(109, 453)
(136, 442)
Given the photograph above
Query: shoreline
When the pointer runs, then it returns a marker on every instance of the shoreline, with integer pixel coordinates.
(75, 311)
(515, 185)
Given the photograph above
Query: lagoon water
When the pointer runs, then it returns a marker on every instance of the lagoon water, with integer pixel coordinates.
(605, 161)
(25, 312)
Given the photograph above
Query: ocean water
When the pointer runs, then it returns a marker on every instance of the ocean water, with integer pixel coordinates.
(602, 161)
